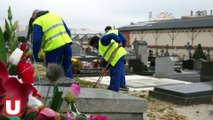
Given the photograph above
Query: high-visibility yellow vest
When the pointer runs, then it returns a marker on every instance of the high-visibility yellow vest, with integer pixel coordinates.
(107, 51)
(113, 31)
(54, 32)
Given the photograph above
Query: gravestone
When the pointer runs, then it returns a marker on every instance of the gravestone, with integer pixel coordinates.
(164, 67)
(206, 71)
(144, 55)
(167, 51)
(188, 64)
(113, 104)
(76, 48)
(137, 66)
(198, 64)
(185, 94)
(141, 51)
(96, 101)
(188, 54)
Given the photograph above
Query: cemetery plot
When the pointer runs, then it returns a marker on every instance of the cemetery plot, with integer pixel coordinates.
(187, 94)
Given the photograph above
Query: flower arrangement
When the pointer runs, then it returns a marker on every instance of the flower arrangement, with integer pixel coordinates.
(76, 65)
(22, 86)
(95, 63)
(31, 106)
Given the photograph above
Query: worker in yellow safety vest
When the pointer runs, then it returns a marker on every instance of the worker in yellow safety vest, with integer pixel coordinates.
(109, 31)
(110, 48)
(51, 33)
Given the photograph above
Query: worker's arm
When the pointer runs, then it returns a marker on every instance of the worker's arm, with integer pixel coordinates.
(123, 39)
(106, 39)
(67, 29)
(37, 39)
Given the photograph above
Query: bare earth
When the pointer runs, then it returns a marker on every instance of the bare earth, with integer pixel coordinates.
(159, 110)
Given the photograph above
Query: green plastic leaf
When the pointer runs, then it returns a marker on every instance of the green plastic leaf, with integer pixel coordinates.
(7, 26)
(10, 29)
(3, 52)
(10, 14)
(15, 25)
(30, 116)
(3, 117)
(57, 99)
(14, 118)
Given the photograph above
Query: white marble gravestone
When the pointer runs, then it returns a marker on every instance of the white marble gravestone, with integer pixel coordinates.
(164, 67)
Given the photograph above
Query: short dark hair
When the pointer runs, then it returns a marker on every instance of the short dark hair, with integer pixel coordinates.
(108, 28)
(94, 40)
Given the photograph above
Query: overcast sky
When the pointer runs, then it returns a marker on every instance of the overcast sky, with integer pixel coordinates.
(96, 14)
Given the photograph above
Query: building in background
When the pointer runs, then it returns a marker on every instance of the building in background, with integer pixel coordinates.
(165, 31)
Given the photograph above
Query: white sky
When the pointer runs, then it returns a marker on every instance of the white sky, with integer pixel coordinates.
(96, 14)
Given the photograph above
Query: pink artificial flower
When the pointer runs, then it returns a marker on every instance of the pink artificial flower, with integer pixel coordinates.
(75, 88)
(30, 110)
(98, 117)
(47, 114)
(73, 93)
(69, 116)
(13, 88)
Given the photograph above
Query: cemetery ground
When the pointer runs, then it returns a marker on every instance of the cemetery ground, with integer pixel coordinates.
(157, 109)
(160, 110)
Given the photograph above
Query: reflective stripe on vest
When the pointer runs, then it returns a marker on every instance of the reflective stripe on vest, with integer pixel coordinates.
(109, 52)
(56, 35)
(54, 32)
(108, 48)
(54, 26)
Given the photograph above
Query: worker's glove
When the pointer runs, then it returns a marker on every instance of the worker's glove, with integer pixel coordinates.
(120, 45)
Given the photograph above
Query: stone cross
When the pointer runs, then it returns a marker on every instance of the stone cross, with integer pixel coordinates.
(162, 52)
(167, 51)
(188, 48)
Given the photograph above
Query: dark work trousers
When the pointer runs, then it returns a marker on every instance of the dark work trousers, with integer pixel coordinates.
(62, 56)
(117, 76)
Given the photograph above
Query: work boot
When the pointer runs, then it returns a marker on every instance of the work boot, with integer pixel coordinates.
(124, 89)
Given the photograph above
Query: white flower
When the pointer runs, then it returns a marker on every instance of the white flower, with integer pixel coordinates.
(34, 102)
(15, 57)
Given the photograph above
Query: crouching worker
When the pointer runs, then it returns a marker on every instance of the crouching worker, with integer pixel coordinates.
(112, 51)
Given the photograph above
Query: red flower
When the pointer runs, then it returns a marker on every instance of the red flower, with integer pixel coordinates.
(3, 76)
(2, 94)
(75, 71)
(25, 71)
(23, 46)
(13, 88)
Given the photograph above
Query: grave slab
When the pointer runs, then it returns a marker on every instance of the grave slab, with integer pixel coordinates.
(135, 82)
(105, 102)
(185, 94)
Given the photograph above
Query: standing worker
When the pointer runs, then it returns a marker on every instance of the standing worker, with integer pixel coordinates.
(51, 33)
(109, 31)
(111, 47)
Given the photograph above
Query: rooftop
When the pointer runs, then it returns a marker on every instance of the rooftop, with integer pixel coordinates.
(185, 22)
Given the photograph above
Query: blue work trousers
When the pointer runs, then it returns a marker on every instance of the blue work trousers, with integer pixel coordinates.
(62, 56)
(117, 76)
